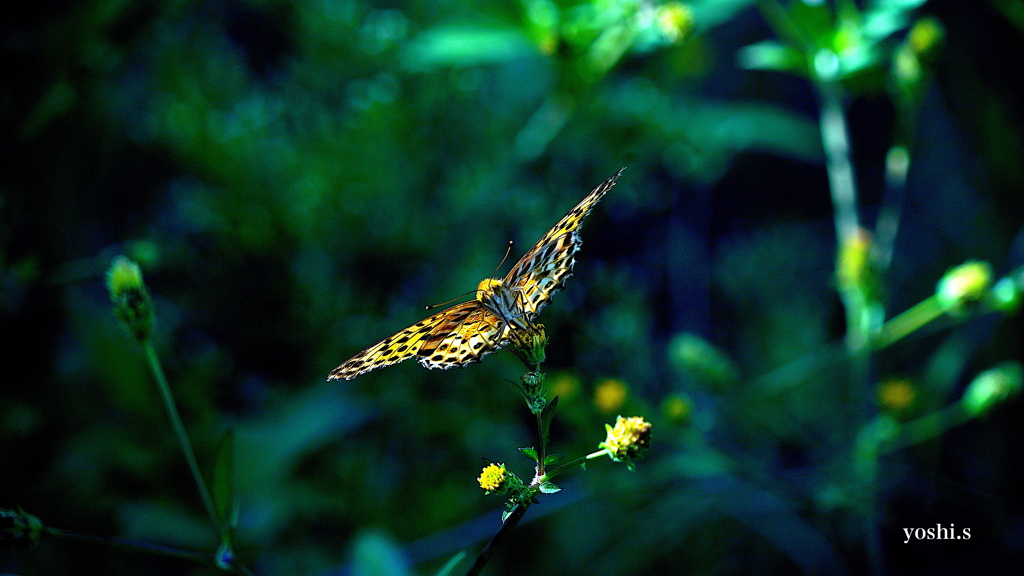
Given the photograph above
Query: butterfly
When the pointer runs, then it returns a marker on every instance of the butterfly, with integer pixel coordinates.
(467, 332)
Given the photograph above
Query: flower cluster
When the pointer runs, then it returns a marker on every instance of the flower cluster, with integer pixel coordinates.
(528, 344)
(496, 479)
(629, 439)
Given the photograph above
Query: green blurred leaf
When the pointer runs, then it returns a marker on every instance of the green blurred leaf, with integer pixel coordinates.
(886, 17)
(450, 565)
(771, 55)
(375, 553)
(222, 489)
(464, 46)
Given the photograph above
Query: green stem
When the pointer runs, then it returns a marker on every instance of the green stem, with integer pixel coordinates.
(836, 142)
(857, 303)
(926, 428)
(542, 441)
(570, 465)
(908, 321)
(498, 540)
(179, 428)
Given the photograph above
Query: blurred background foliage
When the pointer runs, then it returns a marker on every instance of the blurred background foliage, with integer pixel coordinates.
(298, 178)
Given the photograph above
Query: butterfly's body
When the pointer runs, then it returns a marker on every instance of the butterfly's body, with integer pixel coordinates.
(467, 332)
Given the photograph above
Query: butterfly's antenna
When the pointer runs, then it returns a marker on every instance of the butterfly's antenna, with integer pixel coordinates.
(507, 250)
(450, 301)
(503, 258)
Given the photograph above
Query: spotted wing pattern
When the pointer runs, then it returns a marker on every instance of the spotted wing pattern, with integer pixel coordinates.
(467, 332)
(454, 337)
(542, 271)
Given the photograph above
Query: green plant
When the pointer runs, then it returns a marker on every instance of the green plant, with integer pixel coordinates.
(626, 441)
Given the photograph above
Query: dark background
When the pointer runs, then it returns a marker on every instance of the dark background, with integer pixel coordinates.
(299, 178)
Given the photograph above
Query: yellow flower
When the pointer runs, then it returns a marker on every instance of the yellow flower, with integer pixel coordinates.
(564, 384)
(896, 394)
(677, 408)
(493, 478)
(609, 395)
(629, 439)
(675, 20)
(854, 264)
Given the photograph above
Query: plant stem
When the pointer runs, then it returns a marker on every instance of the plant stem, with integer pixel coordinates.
(542, 441)
(179, 428)
(203, 558)
(497, 541)
(836, 142)
(570, 465)
(908, 321)
(926, 427)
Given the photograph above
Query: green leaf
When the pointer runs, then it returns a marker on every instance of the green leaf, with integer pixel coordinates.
(508, 511)
(464, 46)
(549, 412)
(450, 565)
(771, 55)
(549, 488)
(376, 553)
(552, 458)
(530, 452)
(222, 490)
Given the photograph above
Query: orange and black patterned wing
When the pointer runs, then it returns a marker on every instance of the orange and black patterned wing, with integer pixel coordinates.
(456, 336)
(543, 270)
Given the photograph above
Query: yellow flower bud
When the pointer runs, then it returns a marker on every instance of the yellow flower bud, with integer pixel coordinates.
(966, 283)
(896, 395)
(132, 304)
(993, 386)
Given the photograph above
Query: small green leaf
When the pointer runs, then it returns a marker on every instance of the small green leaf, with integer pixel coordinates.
(508, 511)
(549, 412)
(530, 452)
(223, 487)
(549, 488)
(552, 458)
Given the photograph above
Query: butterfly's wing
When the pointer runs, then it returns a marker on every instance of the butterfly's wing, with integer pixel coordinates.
(469, 332)
(542, 271)
(456, 336)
